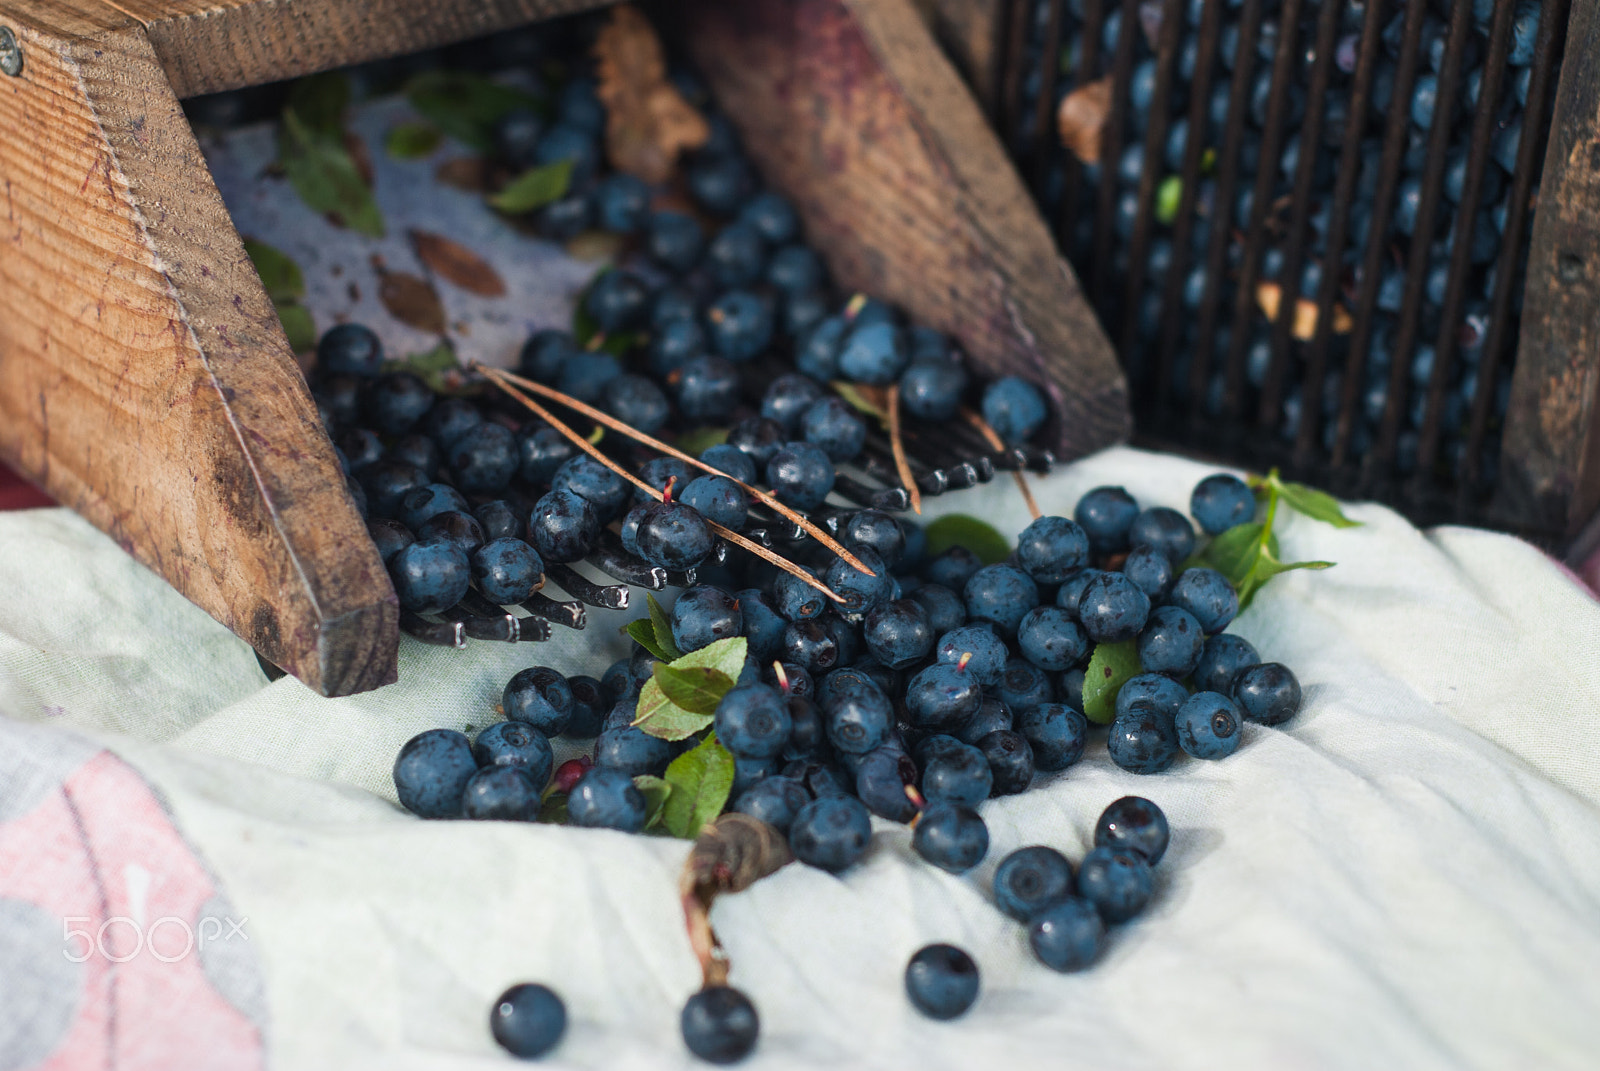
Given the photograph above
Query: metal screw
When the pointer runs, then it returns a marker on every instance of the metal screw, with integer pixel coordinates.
(10, 52)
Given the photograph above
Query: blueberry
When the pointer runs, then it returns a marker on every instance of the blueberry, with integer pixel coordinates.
(605, 490)
(802, 312)
(567, 142)
(1030, 880)
(718, 499)
(541, 697)
(350, 349)
(771, 216)
(506, 570)
(831, 833)
(622, 203)
(1149, 569)
(706, 389)
(397, 401)
(1116, 881)
(1171, 642)
(731, 462)
(1142, 741)
(627, 748)
(942, 697)
(833, 425)
(796, 599)
(1106, 514)
(671, 535)
(898, 633)
(1001, 595)
(1524, 33)
(800, 475)
(1057, 734)
(591, 700)
(431, 773)
(951, 836)
(930, 344)
(739, 325)
(818, 353)
(579, 105)
(564, 526)
(452, 526)
(773, 800)
(1208, 725)
(942, 981)
(387, 482)
(566, 217)
(720, 183)
(860, 591)
(737, 256)
(720, 1025)
(753, 722)
(430, 577)
(878, 532)
(675, 240)
(500, 519)
(1207, 595)
(932, 390)
(959, 775)
(1221, 660)
(421, 504)
(636, 401)
(1070, 593)
(1068, 935)
(757, 438)
(360, 447)
(809, 645)
(586, 379)
(1051, 640)
(1135, 824)
(657, 471)
(944, 607)
(1165, 529)
(1112, 608)
(703, 615)
(541, 451)
(528, 1020)
(859, 717)
(794, 270)
(1051, 549)
(500, 793)
(881, 777)
(606, 798)
(1014, 408)
(787, 399)
(1266, 693)
(1152, 691)
(987, 652)
(1010, 759)
(450, 419)
(390, 537)
(873, 353)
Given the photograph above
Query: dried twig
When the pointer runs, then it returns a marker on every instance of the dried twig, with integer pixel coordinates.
(730, 855)
(622, 428)
(499, 379)
(898, 447)
(996, 443)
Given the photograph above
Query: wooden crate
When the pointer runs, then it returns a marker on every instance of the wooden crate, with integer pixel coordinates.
(146, 383)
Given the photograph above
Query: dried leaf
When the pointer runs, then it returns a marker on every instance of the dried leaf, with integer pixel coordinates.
(1269, 295)
(411, 300)
(460, 265)
(865, 398)
(469, 173)
(648, 123)
(1081, 119)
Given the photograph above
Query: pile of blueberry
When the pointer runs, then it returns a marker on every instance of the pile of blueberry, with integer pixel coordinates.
(939, 683)
(1402, 231)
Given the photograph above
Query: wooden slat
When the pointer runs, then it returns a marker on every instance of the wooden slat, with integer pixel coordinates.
(970, 32)
(144, 379)
(851, 111)
(1550, 451)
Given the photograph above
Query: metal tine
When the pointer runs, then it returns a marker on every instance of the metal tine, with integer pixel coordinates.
(1010, 102)
(570, 614)
(1065, 223)
(1110, 152)
(961, 477)
(1394, 143)
(688, 578)
(1467, 212)
(437, 633)
(501, 628)
(1228, 167)
(886, 498)
(1037, 459)
(1244, 298)
(1380, 459)
(1155, 141)
(1310, 135)
(1183, 225)
(1307, 442)
(605, 597)
(614, 560)
(1530, 150)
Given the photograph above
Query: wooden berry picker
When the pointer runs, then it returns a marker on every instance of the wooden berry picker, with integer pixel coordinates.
(803, 292)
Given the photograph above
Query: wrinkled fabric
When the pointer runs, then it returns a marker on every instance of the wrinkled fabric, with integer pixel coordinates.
(1405, 875)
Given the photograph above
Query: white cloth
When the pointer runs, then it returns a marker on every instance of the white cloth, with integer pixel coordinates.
(1405, 875)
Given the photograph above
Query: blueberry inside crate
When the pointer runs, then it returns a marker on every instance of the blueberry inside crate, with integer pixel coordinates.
(1328, 236)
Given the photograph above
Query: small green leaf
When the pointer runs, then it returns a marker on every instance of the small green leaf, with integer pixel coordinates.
(655, 792)
(466, 106)
(661, 717)
(1318, 505)
(280, 275)
(697, 441)
(1169, 196)
(431, 367)
(980, 537)
(663, 627)
(325, 176)
(1111, 666)
(412, 141)
(298, 326)
(534, 188)
(1233, 553)
(697, 689)
(553, 809)
(858, 399)
(320, 101)
(644, 634)
(701, 780)
(1267, 567)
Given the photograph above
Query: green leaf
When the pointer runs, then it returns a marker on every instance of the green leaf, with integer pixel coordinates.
(661, 717)
(697, 689)
(553, 809)
(644, 634)
(1267, 567)
(431, 367)
(701, 780)
(534, 188)
(325, 176)
(1318, 505)
(298, 326)
(280, 275)
(697, 441)
(466, 106)
(663, 627)
(656, 791)
(320, 102)
(1111, 666)
(1233, 553)
(858, 399)
(958, 529)
(1169, 196)
(412, 141)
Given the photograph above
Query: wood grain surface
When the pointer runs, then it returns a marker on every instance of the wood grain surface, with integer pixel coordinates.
(850, 109)
(971, 33)
(144, 379)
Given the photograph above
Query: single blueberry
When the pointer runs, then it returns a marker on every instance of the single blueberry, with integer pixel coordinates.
(738, 325)
(800, 475)
(898, 633)
(932, 390)
(1001, 595)
(718, 499)
(773, 800)
(586, 379)
(1014, 408)
(1135, 824)
(1165, 529)
(430, 578)
(1208, 725)
(636, 401)
(873, 353)
(1070, 593)
(1051, 640)
(567, 142)
(833, 425)
(1207, 595)
(794, 270)
(944, 607)
(719, 1025)
(951, 836)
(452, 526)
(1056, 732)
(1030, 880)
(1051, 549)
(952, 568)
(545, 354)
(606, 798)
(350, 349)
(705, 388)
(1268, 693)
(1221, 660)
(1149, 569)
(759, 439)
(670, 535)
(431, 773)
(629, 749)
(390, 537)
(731, 461)
(986, 649)
(1024, 685)
(1106, 514)
(1117, 881)
(675, 240)
(541, 451)
(859, 716)
(881, 779)
(808, 644)
(590, 702)
(622, 203)
(397, 401)
(1152, 691)
(563, 526)
(703, 615)
(1112, 608)
(831, 832)
(942, 981)
(528, 1020)
(720, 182)
(1142, 741)
(1010, 759)
(772, 216)
(1171, 642)
(753, 721)
(817, 355)
(878, 532)
(958, 775)
(942, 697)
(500, 519)
(1068, 935)
(421, 504)
(787, 399)
(506, 571)
(541, 697)
(500, 794)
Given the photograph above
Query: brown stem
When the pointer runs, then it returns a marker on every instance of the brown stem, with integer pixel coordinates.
(996, 443)
(899, 449)
(498, 378)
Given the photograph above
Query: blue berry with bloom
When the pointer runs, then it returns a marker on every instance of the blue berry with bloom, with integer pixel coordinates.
(1208, 725)
(1014, 408)
(873, 353)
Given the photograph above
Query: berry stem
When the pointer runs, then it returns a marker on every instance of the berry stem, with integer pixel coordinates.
(898, 447)
(996, 443)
